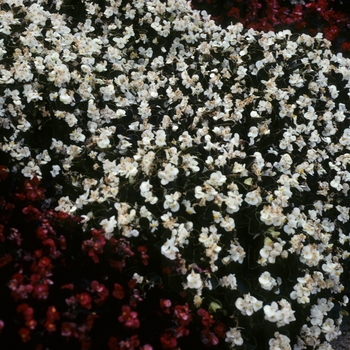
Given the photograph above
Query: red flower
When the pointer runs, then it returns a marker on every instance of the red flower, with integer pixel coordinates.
(207, 319)
(331, 33)
(129, 318)
(4, 260)
(209, 338)
(143, 250)
(28, 314)
(69, 286)
(113, 343)
(4, 172)
(84, 299)
(181, 332)
(182, 314)
(95, 245)
(168, 341)
(234, 12)
(312, 6)
(42, 232)
(68, 329)
(345, 46)
(32, 213)
(41, 291)
(52, 315)
(33, 192)
(118, 291)
(24, 334)
(146, 347)
(220, 330)
(165, 305)
(101, 291)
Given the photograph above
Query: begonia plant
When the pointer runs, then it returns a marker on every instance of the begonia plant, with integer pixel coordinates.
(202, 173)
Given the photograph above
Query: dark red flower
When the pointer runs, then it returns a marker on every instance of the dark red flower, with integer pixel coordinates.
(4, 172)
(41, 291)
(118, 291)
(24, 334)
(209, 338)
(220, 330)
(32, 213)
(28, 314)
(207, 319)
(165, 305)
(181, 332)
(129, 318)
(182, 315)
(69, 286)
(84, 299)
(52, 315)
(143, 250)
(113, 343)
(234, 12)
(101, 290)
(331, 33)
(68, 329)
(168, 341)
(4, 260)
(345, 46)
(33, 191)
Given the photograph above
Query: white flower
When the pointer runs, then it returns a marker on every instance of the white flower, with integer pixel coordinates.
(194, 280)
(234, 337)
(266, 281)
(129, 232)
(66, 97)
(77, 135)
(169, 249)
(109, 225)
(169, 174)
(229, 281)
(280, 342)
(248, 305)
(160, 138)
(108, 92)
(282, 316)
(137, 278)
(272, 215)
(296, 80)
(55, 170)
(330, 329)
(236, 252)
(217, 179)
(253, 197)
(310, 255)
(145, 189)
(272, 313)
(171, 201)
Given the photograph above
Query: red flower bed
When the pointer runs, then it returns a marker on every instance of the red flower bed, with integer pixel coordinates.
(63, 287)
(330, 17)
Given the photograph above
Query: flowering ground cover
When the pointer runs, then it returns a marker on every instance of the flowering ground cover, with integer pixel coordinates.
(167, 183)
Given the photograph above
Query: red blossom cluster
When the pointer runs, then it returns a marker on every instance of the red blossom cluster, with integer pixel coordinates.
(62, 286)
(315, 16)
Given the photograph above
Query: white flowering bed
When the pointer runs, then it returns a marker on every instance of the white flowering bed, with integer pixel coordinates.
(228, 148)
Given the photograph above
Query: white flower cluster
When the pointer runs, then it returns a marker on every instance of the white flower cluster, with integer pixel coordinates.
(280, 342)
(280, 312)
(320, 323)
(248, 304)
(228, 147)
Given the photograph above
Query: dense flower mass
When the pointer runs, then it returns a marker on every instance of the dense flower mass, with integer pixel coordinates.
(209, 168)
